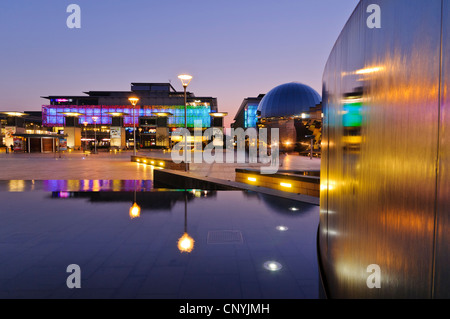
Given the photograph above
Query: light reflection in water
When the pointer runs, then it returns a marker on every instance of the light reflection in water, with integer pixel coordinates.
(74, 185)
(16, 185)
(101, 218)
(186, 243)
(135, 211)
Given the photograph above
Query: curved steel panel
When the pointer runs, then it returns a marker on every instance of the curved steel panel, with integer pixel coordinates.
(442, 258)
(381, 99)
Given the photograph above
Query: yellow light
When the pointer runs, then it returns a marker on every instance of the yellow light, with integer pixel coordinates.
(96, 185)
(186, 243)
(286, 185)
(138, 160)
(369, 70)
(252, 179)
(185, 79)
(135, 211)
(75, 114)
(133, 100)
(163, 114)
(145, 161)
(115, 113)
(161, 163)
(218, 114)
(14, 113)
(152, 162)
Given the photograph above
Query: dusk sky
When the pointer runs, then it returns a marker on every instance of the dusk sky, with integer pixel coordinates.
(233, 48)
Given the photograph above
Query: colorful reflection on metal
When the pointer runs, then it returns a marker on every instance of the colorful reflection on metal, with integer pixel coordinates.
(352, 116)
(384, 171)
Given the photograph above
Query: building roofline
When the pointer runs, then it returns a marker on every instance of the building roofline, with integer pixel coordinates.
(244, 102)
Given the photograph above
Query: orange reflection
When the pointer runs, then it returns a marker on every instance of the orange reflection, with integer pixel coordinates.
(186, 243)
(135, 211)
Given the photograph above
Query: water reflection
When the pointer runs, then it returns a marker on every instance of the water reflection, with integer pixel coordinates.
(186, 242)
(93, 230)
(75, 185)
(165, 200)
(135, 209)
(287, 207)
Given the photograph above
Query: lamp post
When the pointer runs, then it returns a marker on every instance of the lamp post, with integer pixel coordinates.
(134, 101)
(312, 137)
(95, 118)
(85, 136)
(185, 80)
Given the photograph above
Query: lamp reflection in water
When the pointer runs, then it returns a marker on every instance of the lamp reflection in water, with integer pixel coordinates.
(134, 101)
(185, 242)
(135, 209)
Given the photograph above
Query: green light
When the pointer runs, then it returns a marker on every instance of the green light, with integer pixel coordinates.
(352, 115)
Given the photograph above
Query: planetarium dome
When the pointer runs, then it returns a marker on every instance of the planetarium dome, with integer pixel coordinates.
(288, 100)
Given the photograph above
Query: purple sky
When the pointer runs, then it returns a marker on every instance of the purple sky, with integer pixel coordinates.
(233, 48)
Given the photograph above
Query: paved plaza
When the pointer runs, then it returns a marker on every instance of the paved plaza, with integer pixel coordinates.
(72, 166)
(117, 166)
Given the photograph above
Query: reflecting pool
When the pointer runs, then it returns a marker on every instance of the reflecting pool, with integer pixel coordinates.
(178, 244)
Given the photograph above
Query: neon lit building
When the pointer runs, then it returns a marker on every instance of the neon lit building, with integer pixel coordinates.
(246, 115)
(112, 109)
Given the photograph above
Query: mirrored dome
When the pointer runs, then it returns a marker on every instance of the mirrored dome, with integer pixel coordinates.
(288, 100)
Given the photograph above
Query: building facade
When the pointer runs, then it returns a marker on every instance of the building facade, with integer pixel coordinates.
(109, 117)
(23, 132)
(246, 116)
(292, 108)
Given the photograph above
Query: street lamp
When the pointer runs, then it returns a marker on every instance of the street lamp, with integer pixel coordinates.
(85, 136)
(95, 118)
(133, 101)
(185, 80)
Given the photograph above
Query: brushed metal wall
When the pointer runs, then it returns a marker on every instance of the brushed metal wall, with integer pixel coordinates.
(385, 183)
(442, 257)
